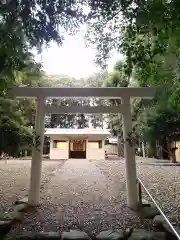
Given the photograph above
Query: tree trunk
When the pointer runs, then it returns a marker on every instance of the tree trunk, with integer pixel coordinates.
(173, 153)
(143, 150)
(166, 149)
(159, 151)
(147, 150)
(173, 156)
(120, 146)
(152, 149)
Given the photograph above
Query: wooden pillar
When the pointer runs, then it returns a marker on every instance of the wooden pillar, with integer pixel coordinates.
(36, 163)
(129, 151)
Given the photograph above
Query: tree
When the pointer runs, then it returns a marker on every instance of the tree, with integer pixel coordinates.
(82, 121)
(62, 120)
(159, 125)
(151, 47)
(17, 68)
(96, 80)
(28, 24)
(14, 131)
(76, 120)
(135, 29)
(117, 78)
(43, 21)
(17, 117)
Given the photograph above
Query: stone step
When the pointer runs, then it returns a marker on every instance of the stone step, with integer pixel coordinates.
(132, 234)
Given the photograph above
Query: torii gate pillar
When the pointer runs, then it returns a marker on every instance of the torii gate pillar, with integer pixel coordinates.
(129, 151)
(36, 163)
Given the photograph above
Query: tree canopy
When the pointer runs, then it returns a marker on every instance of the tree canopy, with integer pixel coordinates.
(145, 32)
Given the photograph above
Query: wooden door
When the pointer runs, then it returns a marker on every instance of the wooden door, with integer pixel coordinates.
(77, 149)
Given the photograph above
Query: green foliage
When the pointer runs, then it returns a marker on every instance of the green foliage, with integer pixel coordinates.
(75, 120)
(174, 100)
(13, 128)
(17, 68)
(43, 21)
(24, 25)
(159, 123)
(117, 78)
(147, 34)
(136, 30)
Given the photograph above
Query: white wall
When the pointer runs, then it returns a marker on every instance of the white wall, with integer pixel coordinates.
(95, 153)
(56, 153)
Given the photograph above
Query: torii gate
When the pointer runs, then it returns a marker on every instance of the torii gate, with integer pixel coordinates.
(42, 93)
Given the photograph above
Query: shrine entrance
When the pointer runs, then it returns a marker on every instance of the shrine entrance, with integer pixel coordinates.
(77, 149)
(125, 94)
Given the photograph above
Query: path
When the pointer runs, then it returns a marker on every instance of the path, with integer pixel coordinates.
(78, 194)
(87, 195)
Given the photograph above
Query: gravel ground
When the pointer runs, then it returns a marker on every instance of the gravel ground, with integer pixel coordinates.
(14, 180)
(161, 181)
(86, 195)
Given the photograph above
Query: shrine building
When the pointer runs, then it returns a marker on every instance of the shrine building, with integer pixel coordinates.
(77, 143)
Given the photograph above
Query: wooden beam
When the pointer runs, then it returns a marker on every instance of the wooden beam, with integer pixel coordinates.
(23, 92)
(85, 109)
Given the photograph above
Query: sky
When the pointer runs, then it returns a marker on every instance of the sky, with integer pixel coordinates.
(72, 58)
